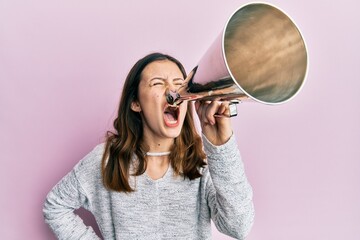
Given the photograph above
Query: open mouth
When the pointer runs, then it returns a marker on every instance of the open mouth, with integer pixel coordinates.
(171, 115)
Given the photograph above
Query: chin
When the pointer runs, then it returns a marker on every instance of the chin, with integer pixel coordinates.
(173, 133)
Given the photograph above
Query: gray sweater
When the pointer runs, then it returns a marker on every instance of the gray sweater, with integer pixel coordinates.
(168, 208)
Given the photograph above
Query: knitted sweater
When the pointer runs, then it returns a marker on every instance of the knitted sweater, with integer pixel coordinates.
(168, 208)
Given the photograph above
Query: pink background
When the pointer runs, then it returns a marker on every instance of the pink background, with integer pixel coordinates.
(62, 65)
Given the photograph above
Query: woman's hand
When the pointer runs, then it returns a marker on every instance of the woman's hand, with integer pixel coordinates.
(217, 129)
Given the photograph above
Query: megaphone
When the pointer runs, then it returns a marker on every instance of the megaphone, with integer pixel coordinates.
(260, 55)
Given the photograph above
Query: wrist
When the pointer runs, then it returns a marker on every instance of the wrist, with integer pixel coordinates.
(218, 139)
(213, 148)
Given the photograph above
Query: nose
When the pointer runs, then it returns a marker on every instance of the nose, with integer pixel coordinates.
(171, 96)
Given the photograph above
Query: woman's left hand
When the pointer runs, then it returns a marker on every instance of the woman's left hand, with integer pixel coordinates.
(217, 129)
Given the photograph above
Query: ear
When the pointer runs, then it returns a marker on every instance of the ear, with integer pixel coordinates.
(135, 106)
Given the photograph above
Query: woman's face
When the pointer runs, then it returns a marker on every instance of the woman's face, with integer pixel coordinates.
(159, 119)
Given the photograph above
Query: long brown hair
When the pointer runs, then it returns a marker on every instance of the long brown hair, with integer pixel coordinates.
(186, 156)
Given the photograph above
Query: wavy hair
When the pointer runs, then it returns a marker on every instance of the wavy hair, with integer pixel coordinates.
(186, 157)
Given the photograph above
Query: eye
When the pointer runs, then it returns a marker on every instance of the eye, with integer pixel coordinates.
(178, 82)
(157, 83)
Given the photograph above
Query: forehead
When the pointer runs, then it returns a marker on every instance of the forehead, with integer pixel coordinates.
(162, 68)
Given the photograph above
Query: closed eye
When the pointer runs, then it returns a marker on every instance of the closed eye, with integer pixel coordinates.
(157, 82)
(178, 82)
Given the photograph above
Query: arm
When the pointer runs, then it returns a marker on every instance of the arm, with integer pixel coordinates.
(59, 207)
(228, 193)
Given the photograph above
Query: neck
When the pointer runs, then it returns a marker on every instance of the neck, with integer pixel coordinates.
(157, 144)
(156, 160)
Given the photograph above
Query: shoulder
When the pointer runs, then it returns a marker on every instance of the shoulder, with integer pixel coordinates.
(89, 167)
(93, 156)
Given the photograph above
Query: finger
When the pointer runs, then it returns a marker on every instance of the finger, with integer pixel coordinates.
(204, 112)
(207, 110)
(197, 105)
(223, 108)
(211, 110)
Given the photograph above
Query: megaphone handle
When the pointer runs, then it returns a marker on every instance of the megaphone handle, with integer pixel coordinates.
(232, 110)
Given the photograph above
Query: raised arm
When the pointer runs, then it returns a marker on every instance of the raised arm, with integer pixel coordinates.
(228, 193)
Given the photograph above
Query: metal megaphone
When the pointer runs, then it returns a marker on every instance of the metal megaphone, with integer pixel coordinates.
(260, 55)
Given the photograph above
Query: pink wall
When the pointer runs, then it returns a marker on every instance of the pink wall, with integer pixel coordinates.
(62, 65)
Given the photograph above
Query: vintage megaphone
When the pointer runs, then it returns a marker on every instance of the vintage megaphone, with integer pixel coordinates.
(260, 55)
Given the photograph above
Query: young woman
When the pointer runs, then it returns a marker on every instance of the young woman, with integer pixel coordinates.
(154, 178)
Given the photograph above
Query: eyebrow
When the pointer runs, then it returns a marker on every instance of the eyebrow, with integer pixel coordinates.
(164, 79)
(157, 78)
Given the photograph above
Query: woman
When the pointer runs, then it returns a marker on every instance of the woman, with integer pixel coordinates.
(150, 179)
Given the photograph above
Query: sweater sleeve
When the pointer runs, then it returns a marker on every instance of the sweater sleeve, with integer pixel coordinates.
(228, 192)
(59, 206)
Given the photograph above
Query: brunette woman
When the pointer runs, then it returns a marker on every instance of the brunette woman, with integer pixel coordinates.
(155, 177)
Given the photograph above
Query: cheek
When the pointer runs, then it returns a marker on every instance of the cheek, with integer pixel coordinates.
(150, 97)
(156, 94)
(152, 102)
(156, 98)
(183, 110)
